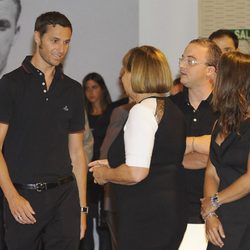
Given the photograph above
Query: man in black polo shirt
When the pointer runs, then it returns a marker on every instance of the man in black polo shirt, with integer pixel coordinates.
(41, 127)
(198, 72)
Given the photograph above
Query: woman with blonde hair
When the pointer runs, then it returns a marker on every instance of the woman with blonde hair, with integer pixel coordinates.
(145, 160)
(227, 179)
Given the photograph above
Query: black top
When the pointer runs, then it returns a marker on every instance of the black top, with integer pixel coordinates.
(36, 144)
(230, 158)
(119, 102)
(199, 122)
(150, 213)
(98, 125)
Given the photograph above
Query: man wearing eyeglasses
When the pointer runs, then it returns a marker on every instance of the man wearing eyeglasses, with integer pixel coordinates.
(198, 73)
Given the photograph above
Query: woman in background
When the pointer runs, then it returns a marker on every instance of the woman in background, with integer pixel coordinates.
(97, 99)
(227, 179)
(98, 109)
(145, 160)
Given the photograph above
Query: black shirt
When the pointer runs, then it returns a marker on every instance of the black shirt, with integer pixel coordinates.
(199, 122)
(98, 125)
(231, 156)
(40, 120)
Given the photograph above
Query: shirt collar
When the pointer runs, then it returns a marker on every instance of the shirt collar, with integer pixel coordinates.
(31, 69)
(185, 93)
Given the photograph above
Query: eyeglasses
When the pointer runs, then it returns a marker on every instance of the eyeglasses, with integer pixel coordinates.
(190, 61)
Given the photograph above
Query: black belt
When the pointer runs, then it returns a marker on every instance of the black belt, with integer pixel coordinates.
(41, 186)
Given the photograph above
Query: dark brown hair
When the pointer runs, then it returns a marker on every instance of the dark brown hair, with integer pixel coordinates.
(232, 90)
(225, 33)
(51, 18)
(106, 99)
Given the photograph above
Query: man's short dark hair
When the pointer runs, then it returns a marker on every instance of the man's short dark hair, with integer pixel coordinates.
(18, 10)
(51, 18)
(223, 32)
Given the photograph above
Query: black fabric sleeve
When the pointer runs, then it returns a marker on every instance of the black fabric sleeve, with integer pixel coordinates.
(6, 101)
(77, 121)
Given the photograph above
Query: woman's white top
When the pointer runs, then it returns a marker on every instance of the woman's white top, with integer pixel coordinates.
(139, 133)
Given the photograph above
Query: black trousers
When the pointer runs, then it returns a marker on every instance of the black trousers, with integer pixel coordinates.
(57, 224)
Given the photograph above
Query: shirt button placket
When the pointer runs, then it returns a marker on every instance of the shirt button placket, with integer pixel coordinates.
(45, 91)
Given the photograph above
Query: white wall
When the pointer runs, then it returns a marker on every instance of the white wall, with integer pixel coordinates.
(103, 31)
(168, 25)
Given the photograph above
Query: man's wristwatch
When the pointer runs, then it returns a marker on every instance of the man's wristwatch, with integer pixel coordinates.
(84, 210)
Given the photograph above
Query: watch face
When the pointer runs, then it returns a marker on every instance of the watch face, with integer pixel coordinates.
(84, 210)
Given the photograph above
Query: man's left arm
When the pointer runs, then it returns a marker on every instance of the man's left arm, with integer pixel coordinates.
(79, 164)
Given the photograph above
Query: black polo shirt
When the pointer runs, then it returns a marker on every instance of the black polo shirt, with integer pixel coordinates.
(40, 120)
(199, 122)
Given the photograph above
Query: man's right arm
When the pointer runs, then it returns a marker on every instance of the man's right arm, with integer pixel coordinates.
(20, 208)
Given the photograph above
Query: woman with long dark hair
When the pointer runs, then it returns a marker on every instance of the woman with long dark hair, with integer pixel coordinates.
(227, 179)
(97, 100)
